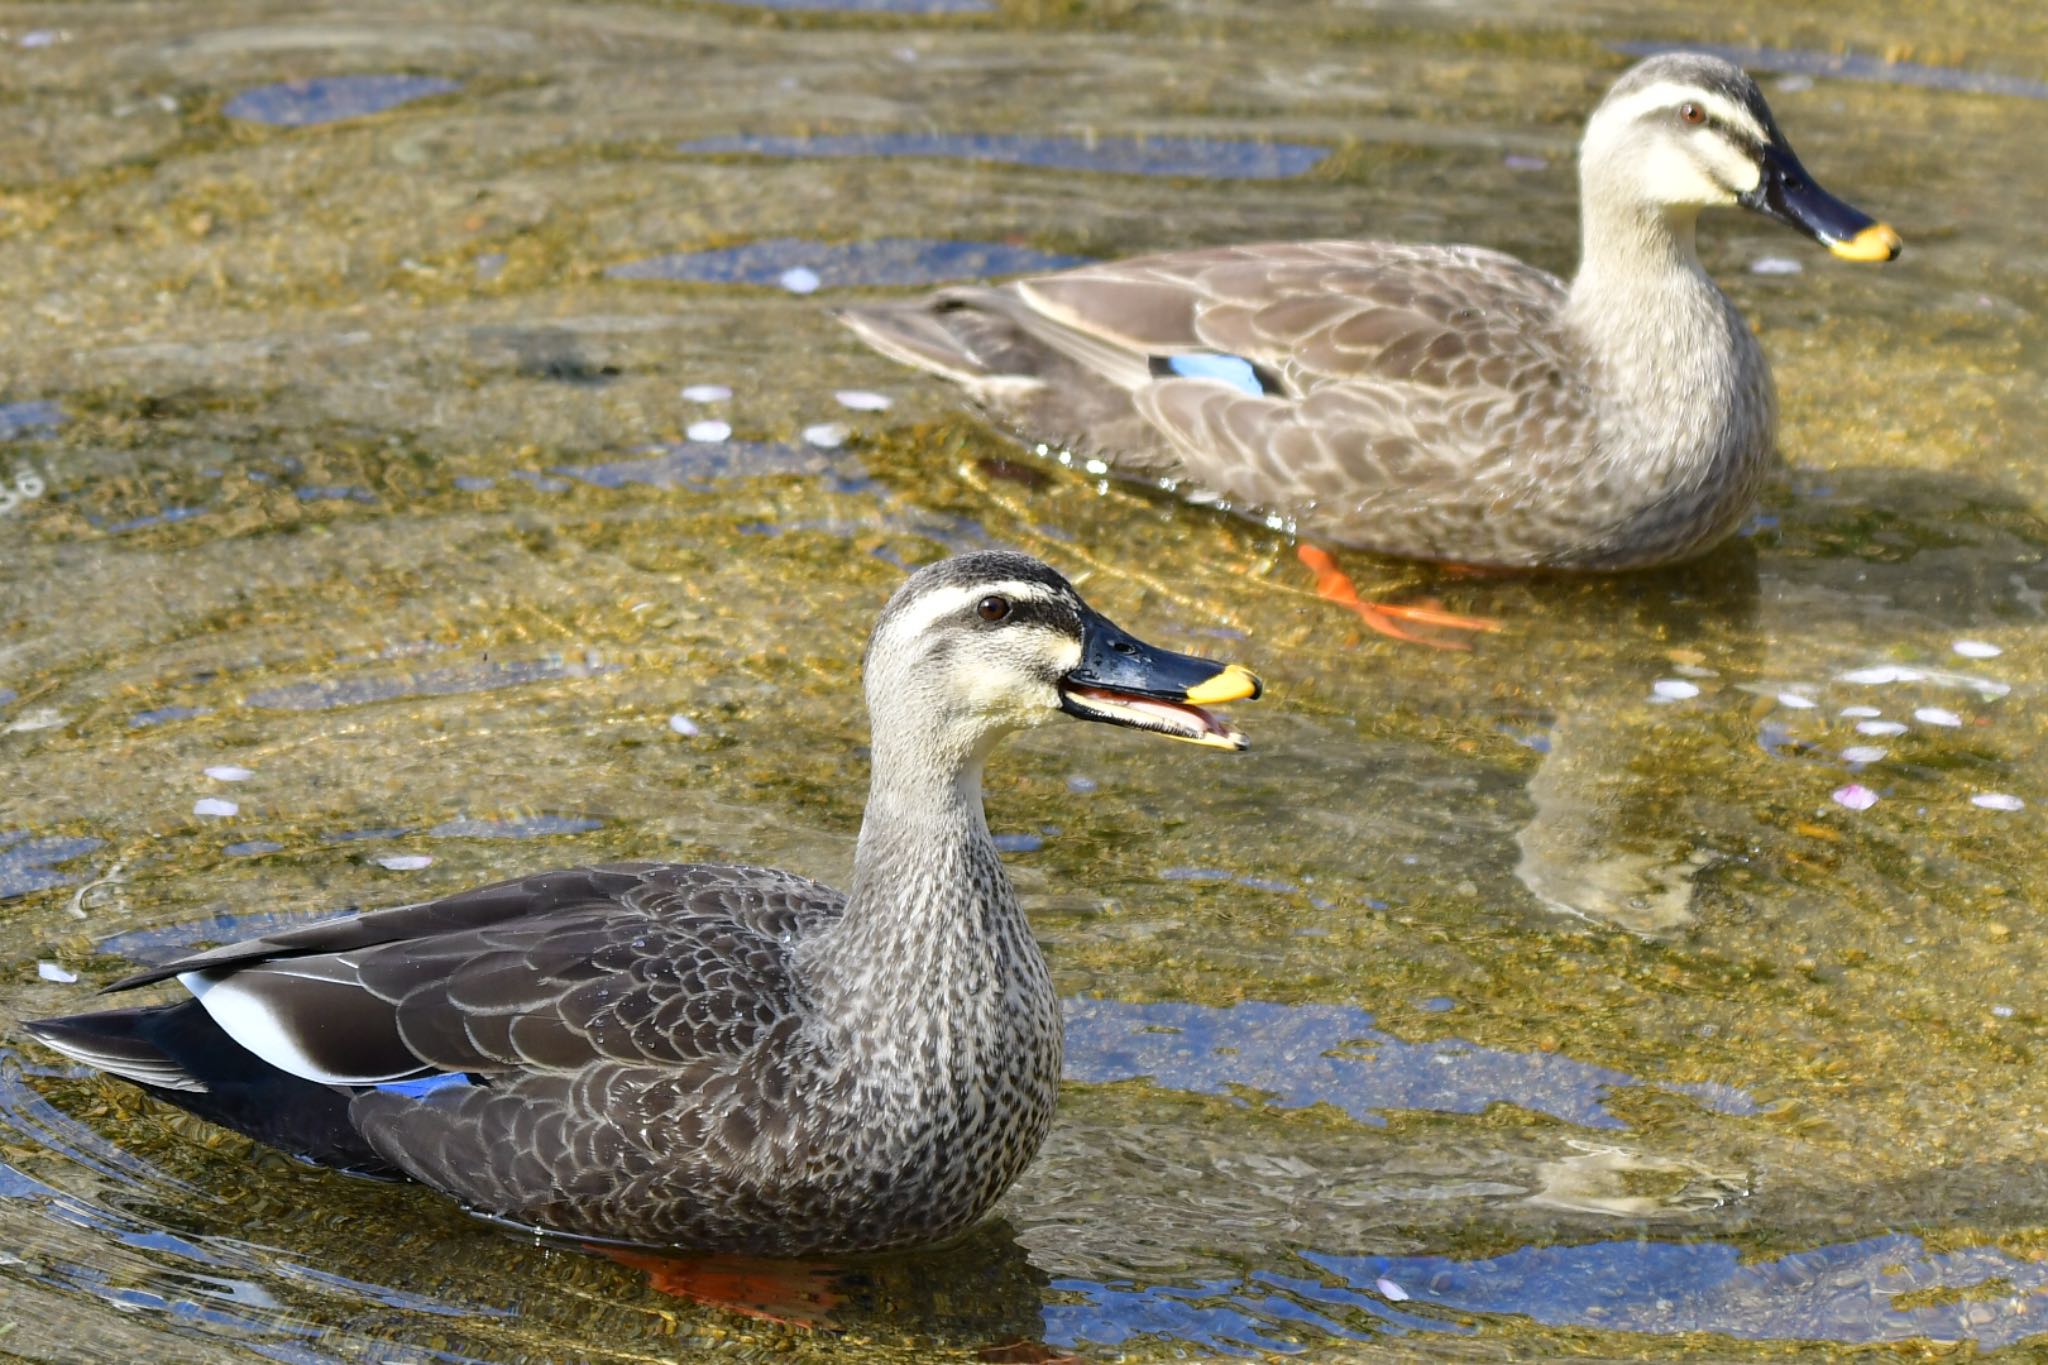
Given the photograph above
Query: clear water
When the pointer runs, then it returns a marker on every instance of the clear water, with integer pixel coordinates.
(1570, 996)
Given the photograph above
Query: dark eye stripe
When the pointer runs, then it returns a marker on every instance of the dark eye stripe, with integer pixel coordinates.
(1052, 614)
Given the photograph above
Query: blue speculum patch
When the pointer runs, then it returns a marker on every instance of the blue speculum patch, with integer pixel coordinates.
(421, 1086)
(1233, 370)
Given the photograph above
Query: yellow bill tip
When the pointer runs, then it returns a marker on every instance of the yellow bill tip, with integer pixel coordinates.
(1234, 683)
(1875, 243)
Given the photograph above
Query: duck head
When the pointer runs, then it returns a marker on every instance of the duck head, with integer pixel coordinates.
(1683, 131)
(975, 646)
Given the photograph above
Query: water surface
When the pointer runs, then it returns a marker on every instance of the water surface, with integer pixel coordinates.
(426, 422)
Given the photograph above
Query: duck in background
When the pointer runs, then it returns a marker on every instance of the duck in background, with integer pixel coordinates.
(1445, 403)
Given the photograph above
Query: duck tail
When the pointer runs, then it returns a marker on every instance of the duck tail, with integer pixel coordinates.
(119, 1042)
(932, 334)
(180, 1055)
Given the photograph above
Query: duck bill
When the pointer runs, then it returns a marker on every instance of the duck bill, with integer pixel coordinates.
(1787, 193)
(1124, 681)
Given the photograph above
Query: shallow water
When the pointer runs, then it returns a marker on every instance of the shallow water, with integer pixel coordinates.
(1570, 996)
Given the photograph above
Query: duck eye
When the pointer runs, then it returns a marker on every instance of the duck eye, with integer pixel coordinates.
(992, 608)
(1691, 113)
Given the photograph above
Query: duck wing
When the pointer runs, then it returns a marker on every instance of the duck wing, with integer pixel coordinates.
(1370, 370)
(611, 1051)
(640, 963)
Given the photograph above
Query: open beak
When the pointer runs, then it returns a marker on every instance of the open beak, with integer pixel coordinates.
(1787, 193)
(1125, 681)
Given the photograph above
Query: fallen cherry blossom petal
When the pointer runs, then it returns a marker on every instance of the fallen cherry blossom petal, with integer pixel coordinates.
(1861, 711)
(1863, 753)
(1390, 1291)
(50, 971)
(709, 430)
(1880, 727)
(825, 436)
(860, 400)
(707, 393)
(1794, 701)
(1997, 801)
(1883, 673)
(405, 862)
(228, 772)
(1855, 796)
(1935, 715)
(1976, 649)
(1674, 689)
(684, 726)
(213, 805)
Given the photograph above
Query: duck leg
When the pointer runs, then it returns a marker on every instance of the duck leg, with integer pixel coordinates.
(788, 1293)
(1384, 617)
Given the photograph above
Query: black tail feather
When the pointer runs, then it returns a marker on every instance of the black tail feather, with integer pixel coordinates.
(170, 1050)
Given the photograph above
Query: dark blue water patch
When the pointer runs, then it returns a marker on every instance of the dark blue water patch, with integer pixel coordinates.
(882, 261)
(1217, 874)
(1853, 66)
(28, 863)
(35, 417)
(1844, 1293)
(1206, 158)
(1018, 843)
(251, 848)
(544, 482)
(868, 6)
(1439, 1004)
(169, 516)
(1331, 1054)
(164, 714)
(338, 492)
(699, 465)
(7, 694)
(161, 943)
(351, 836)
(531, 827)
(330, 99)
(1215, 1316)
(474, 483)
(328, 694)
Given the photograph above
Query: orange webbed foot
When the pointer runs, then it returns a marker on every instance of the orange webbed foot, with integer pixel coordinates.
(1387, 618)
(787, 1293)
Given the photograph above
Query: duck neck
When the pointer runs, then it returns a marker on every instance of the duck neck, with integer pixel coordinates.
(933, 952)
(1680, 386)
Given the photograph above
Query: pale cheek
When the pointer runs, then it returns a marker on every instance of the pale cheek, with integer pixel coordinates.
(1672, 177)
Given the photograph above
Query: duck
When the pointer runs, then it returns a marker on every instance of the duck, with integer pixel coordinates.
(1426, 402)
(722, 1059)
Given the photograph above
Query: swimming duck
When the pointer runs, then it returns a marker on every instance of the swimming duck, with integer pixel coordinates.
(730, 1059)
(1430, 402)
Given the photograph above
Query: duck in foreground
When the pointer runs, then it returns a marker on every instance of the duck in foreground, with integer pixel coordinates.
(728, 1059)
(1431, 402)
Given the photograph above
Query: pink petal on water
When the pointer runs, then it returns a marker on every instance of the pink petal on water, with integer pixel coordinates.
(1855, 796)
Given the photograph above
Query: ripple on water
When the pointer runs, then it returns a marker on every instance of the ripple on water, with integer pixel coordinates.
(27, 862)
(327, 694)
(882, 261)
(530, 827)
(869, 6)
(1852, 66)
(699, 465)
(1205, 158)
(330, 99)
(1846, 1292)
(34, 417)
(1331, 1054)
